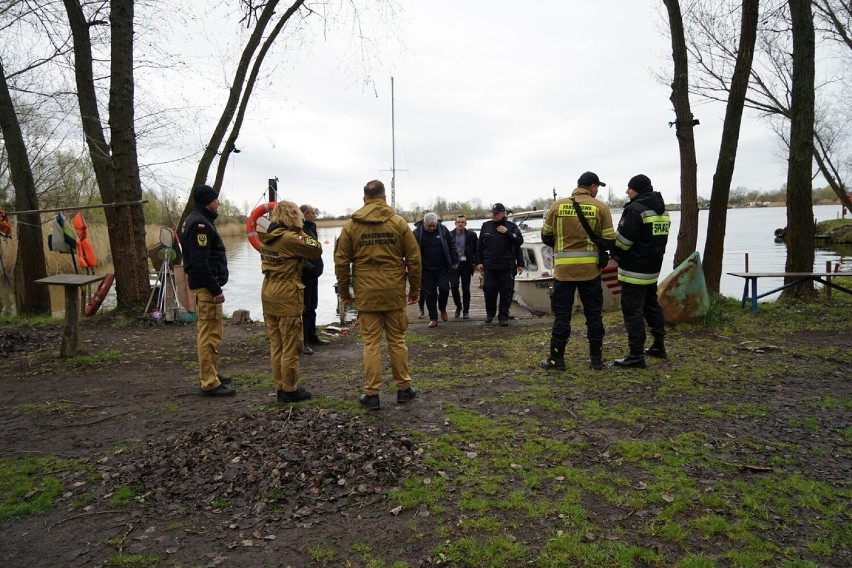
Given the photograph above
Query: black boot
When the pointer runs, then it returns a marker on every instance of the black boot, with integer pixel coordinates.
(556, 360)
(632, 360)
(596, 353)
(657, 349)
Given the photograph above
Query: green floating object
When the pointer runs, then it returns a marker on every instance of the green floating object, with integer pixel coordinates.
(683, 293)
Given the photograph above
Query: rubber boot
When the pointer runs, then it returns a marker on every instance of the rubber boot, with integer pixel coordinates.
(657, 349)
(596, 353)
(557, 356)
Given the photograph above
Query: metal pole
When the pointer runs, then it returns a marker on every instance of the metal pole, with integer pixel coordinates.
(393, 152)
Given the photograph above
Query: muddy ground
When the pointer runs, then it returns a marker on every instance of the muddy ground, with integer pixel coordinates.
(247, 482)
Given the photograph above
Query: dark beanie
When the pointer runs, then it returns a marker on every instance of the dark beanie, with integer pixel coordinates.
(204, 195)
(640, 183)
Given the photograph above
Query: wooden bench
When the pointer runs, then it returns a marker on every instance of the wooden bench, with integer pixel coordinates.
(72, 284)
(751, 279)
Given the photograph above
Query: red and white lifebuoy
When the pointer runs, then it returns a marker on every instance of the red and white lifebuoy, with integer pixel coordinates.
(99, 295)
(251, 222)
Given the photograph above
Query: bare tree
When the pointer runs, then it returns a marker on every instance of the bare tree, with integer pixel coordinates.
(115, 164)
(714, 246)
(800, 226)
(684, 124)
(29, 299)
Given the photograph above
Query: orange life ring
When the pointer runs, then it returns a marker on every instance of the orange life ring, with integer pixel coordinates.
(251, 222)
(99, 295)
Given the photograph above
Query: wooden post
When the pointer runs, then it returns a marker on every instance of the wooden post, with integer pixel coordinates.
(827, 278)
(746, 262)
(68, 347)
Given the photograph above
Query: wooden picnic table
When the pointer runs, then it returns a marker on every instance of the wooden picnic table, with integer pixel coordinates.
(72, 284)
(799, 277)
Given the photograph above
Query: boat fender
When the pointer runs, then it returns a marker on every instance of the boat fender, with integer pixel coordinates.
(780, 233)
(255, 219)
(99, 295)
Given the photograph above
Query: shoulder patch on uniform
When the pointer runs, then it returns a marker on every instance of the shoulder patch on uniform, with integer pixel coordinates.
(202, 240)
(311, 241)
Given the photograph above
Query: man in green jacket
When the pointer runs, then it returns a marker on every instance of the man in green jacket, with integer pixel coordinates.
(377, 251)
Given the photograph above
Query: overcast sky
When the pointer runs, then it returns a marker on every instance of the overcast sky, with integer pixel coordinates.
(494, 100)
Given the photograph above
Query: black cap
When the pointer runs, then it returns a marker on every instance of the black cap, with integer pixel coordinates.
(204, 195)
(640, 183)
(497, 208)
(590, 178)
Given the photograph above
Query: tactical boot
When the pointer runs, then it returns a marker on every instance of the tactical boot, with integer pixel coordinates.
(596, 353)
(556, 360)
(370, 401)
(297, 395)
(658, 349)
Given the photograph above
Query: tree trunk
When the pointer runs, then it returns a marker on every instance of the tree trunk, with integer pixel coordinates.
(714, 247)
(800, 214)
(117, 175)
(30, 266)
(684, 130)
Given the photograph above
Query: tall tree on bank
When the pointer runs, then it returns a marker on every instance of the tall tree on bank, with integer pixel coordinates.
(800, 214)
(29, 299)
(241, 88)
(714, 246)
(684, 123)
(115, 163)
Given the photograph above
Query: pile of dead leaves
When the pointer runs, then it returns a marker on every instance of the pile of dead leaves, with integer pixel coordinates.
(292, 463)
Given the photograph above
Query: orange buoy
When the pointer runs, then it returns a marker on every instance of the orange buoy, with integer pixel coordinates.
(99, 295)
(251, 222)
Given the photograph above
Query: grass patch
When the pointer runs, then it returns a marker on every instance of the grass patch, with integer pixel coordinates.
(30, 485)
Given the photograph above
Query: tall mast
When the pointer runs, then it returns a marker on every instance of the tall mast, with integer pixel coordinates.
(393, 153)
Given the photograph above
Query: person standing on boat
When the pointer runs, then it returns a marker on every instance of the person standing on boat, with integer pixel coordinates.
(575, 257)
(285, 248)
(498, 254)
(640, 243)
(207, 271)
(311, 271)
(465, 243)
(438, 257)
(378, 251)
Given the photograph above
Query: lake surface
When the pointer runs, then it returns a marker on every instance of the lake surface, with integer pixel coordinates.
(749, 231)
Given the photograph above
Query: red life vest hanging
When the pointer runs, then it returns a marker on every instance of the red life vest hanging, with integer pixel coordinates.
(85, 253)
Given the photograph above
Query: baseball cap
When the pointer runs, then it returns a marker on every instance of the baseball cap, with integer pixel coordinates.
(589, 178)
(497, 208)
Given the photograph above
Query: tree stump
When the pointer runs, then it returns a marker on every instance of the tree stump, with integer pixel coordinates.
(240, 317)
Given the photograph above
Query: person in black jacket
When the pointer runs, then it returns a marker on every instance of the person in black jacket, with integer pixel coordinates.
(207, 271)
(438, 257)
(640, 243)
(311, 271)
(465, 241)
(499, 255)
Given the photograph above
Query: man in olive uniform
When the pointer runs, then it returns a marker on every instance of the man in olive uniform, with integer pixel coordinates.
(575, 257)
(207, 271)
(378, 252)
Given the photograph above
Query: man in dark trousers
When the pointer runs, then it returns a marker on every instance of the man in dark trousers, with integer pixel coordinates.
(640, 243)
(311, 271)
(438, 257)
(499, 255)
(465, 241)
(575, 259)
(207, 271)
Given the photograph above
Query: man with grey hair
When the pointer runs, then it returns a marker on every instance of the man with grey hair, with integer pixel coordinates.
(438, 256)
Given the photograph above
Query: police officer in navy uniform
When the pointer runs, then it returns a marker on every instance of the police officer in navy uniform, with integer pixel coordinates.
(311, 271)
(640, 243)
(207, 271)
(499, 256)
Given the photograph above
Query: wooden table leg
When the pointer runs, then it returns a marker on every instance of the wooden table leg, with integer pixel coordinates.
(68, 348)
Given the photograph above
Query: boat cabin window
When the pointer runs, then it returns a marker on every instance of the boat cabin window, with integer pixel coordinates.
(530, 260)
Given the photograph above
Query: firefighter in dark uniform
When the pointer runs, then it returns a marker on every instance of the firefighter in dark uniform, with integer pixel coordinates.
(499, 255)
(640, 243)
(207, 271)
(286, 247)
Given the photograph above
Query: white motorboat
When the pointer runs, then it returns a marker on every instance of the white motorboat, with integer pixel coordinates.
(534, 286)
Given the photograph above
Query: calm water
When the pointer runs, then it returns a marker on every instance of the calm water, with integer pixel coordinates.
(748, 231)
